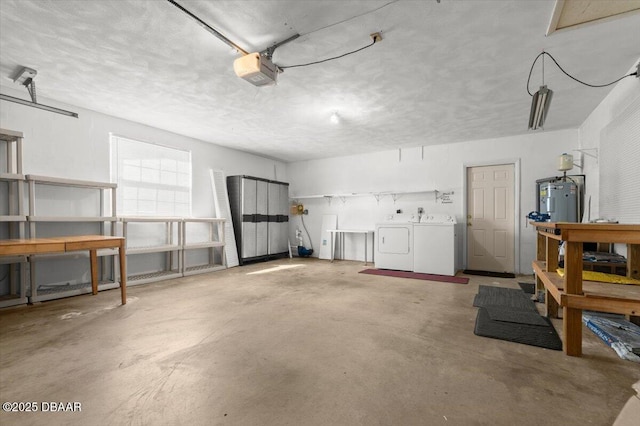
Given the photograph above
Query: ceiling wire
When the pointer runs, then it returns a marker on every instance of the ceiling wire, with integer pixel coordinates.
(567, 74)
(282, 67)
(351, 18)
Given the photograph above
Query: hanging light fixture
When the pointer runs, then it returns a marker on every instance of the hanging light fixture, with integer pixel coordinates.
(542, 98)
(540, 107)
(539, 103)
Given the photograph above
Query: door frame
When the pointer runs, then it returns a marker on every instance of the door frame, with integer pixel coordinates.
(516, 207)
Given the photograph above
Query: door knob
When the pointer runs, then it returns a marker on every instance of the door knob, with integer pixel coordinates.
(469, 224)
(468, 216)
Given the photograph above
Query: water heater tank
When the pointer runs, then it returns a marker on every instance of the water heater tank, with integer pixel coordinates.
(560, 201)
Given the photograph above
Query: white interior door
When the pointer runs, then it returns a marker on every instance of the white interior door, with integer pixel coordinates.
(490, 218)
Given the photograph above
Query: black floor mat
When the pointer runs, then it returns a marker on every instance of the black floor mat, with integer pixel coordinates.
(498, 313)
(529, 288)
(534, 335)
(503, 297)
(489, 273)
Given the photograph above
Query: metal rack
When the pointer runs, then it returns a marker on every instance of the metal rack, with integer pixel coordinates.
(171, 246)
(214, 243)
(175, 245)
(106, 208)
(14, 218)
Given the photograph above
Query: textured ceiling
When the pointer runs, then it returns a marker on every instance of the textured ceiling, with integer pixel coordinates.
(444, 72)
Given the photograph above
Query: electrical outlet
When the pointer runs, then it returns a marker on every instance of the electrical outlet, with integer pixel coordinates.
(376, 37)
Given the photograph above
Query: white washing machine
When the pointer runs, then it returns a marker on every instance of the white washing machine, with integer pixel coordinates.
(434, 244)
(394, 243)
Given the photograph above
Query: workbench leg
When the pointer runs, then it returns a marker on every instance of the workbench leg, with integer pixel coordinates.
(572, 318)
(550, 304)
(572, 331)
(633, 271)
(94, 271)
(123, 272)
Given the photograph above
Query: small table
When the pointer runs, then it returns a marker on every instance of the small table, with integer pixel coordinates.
(29, 246)
(339, 234)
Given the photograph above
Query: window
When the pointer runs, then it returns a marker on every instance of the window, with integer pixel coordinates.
(152, 180)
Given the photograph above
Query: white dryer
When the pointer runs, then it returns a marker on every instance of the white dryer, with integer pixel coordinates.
(435, 245)
(394, 244)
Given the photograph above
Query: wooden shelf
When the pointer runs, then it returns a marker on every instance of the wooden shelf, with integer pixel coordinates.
(573, 294)
(596, 296)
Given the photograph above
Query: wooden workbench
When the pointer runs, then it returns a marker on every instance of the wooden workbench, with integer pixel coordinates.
(570, 292)
(31, 246)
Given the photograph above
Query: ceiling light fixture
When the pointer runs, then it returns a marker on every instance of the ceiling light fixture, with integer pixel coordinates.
(539, 107)
(542, 98)
(25, 78)
(335, 118)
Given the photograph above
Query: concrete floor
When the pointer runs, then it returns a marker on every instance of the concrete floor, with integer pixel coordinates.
(316, 344)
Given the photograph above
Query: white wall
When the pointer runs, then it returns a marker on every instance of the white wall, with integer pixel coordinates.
(620, 98)
(623, 96)
(442, 168)
(78, 148)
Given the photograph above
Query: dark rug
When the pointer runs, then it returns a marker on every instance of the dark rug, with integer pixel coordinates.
(489, 273)
(529, 288)
(507, 298)
(509, 314)
(416, 275)
(498, 313)
(534, 335)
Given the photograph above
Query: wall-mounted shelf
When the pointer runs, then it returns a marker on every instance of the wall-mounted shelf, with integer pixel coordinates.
(395, 195)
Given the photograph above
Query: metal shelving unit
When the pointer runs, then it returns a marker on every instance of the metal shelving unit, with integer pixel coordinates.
(14, 218)
(214, 244)
(171, 246)
(106, 215)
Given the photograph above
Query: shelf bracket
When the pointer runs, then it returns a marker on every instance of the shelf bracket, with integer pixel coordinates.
(588, 153)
